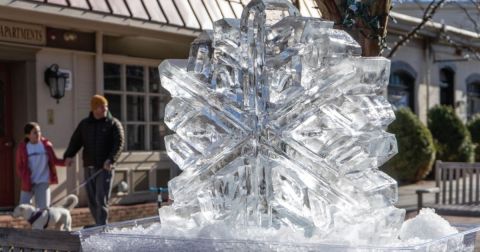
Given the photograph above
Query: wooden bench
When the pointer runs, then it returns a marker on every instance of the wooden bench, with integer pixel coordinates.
(457, 190)
(12, 239)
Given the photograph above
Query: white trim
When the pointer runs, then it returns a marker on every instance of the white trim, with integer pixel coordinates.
(122, 59)
(136, 123)
(121, 92)
(75, 88)
(99, 62)
(146, 104)
(433, 25)
(123, 86)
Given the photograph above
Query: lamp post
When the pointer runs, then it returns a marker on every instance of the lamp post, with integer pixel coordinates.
(56, 82)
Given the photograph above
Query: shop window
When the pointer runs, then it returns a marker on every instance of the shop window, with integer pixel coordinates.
(135, 79)
(140, 180)
(137, 99)
(163, 176)
(401, 90)
(118, 178)
(115, 105)
(112, 76)
(473, 98)
(135, 137)
(447, 77)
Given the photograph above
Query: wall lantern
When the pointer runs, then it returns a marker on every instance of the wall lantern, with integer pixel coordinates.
(56, 81)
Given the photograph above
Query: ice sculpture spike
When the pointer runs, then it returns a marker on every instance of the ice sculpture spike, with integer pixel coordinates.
(280, 122)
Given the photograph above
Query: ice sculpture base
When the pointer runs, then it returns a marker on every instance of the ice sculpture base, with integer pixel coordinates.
(102, 239)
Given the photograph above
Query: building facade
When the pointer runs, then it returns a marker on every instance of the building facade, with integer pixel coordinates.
(441, 65)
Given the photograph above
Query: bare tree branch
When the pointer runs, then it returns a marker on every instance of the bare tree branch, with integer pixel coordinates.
(476, 27)
(476, 3)
(420, 5)
(429, 8)
(429, 12)
(469, 16)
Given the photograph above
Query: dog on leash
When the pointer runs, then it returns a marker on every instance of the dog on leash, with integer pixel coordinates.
(58, 218)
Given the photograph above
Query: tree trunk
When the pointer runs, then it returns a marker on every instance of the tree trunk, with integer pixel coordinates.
(368, 27)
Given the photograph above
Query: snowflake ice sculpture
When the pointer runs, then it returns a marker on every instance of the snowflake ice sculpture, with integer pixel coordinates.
(280, 122)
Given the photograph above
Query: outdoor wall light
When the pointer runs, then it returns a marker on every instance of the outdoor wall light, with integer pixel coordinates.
(56, 81)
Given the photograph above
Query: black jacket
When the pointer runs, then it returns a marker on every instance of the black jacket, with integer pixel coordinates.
(101, 139)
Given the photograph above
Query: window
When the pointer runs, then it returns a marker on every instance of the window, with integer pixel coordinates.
(473, 98)
(400, 90)
(137, 99)
(118, 178)
(140, 180)
(447, 77)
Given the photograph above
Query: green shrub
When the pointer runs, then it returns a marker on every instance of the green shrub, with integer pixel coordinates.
(416, 152)
(451, 137)
(474, 128)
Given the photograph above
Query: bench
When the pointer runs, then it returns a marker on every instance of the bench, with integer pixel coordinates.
(12, 239)
(457, 190)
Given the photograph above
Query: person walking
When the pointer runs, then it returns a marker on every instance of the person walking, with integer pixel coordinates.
(102, 138)
(36, 166)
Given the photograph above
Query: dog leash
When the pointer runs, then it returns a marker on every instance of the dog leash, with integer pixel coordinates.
(79, 186)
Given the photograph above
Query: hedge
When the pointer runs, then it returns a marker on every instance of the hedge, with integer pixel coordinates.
(451, 137)
(416, 151)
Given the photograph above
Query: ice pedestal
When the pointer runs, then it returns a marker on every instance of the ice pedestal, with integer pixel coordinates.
(139, 235)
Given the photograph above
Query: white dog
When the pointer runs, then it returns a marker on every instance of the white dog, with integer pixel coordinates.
(57, 217)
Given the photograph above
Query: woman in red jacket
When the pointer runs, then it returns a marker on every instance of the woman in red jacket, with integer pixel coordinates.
(36, 166)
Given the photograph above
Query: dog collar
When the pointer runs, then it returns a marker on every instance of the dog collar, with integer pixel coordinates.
(35, 215)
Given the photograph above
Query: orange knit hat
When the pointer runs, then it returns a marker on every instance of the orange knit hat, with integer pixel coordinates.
(97, 100)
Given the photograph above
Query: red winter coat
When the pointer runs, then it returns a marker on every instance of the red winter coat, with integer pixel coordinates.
(23, 170)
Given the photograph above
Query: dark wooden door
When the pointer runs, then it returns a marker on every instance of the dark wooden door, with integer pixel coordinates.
(6, 140)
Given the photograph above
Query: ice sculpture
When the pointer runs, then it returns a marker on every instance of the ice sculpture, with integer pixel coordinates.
(281, 123)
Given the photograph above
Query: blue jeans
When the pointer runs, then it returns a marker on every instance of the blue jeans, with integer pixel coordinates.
(41, 192)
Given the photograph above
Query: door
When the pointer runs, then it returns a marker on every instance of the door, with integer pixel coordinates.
(6, 141)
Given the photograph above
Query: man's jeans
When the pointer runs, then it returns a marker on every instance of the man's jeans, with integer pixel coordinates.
(98, 192)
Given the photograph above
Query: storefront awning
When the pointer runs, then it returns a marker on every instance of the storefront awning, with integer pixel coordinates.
(183, 15)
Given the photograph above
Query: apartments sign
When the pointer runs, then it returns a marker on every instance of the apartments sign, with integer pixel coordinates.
(22, 33)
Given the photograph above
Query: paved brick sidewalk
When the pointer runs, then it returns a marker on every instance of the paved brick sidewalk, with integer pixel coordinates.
(81, 216)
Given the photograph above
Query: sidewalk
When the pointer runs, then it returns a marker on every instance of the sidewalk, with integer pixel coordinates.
(407, 198)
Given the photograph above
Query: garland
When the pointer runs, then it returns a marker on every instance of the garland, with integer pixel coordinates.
(357, 10)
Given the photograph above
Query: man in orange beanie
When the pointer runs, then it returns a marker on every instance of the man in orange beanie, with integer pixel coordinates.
(97, 101)
(102, 138)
